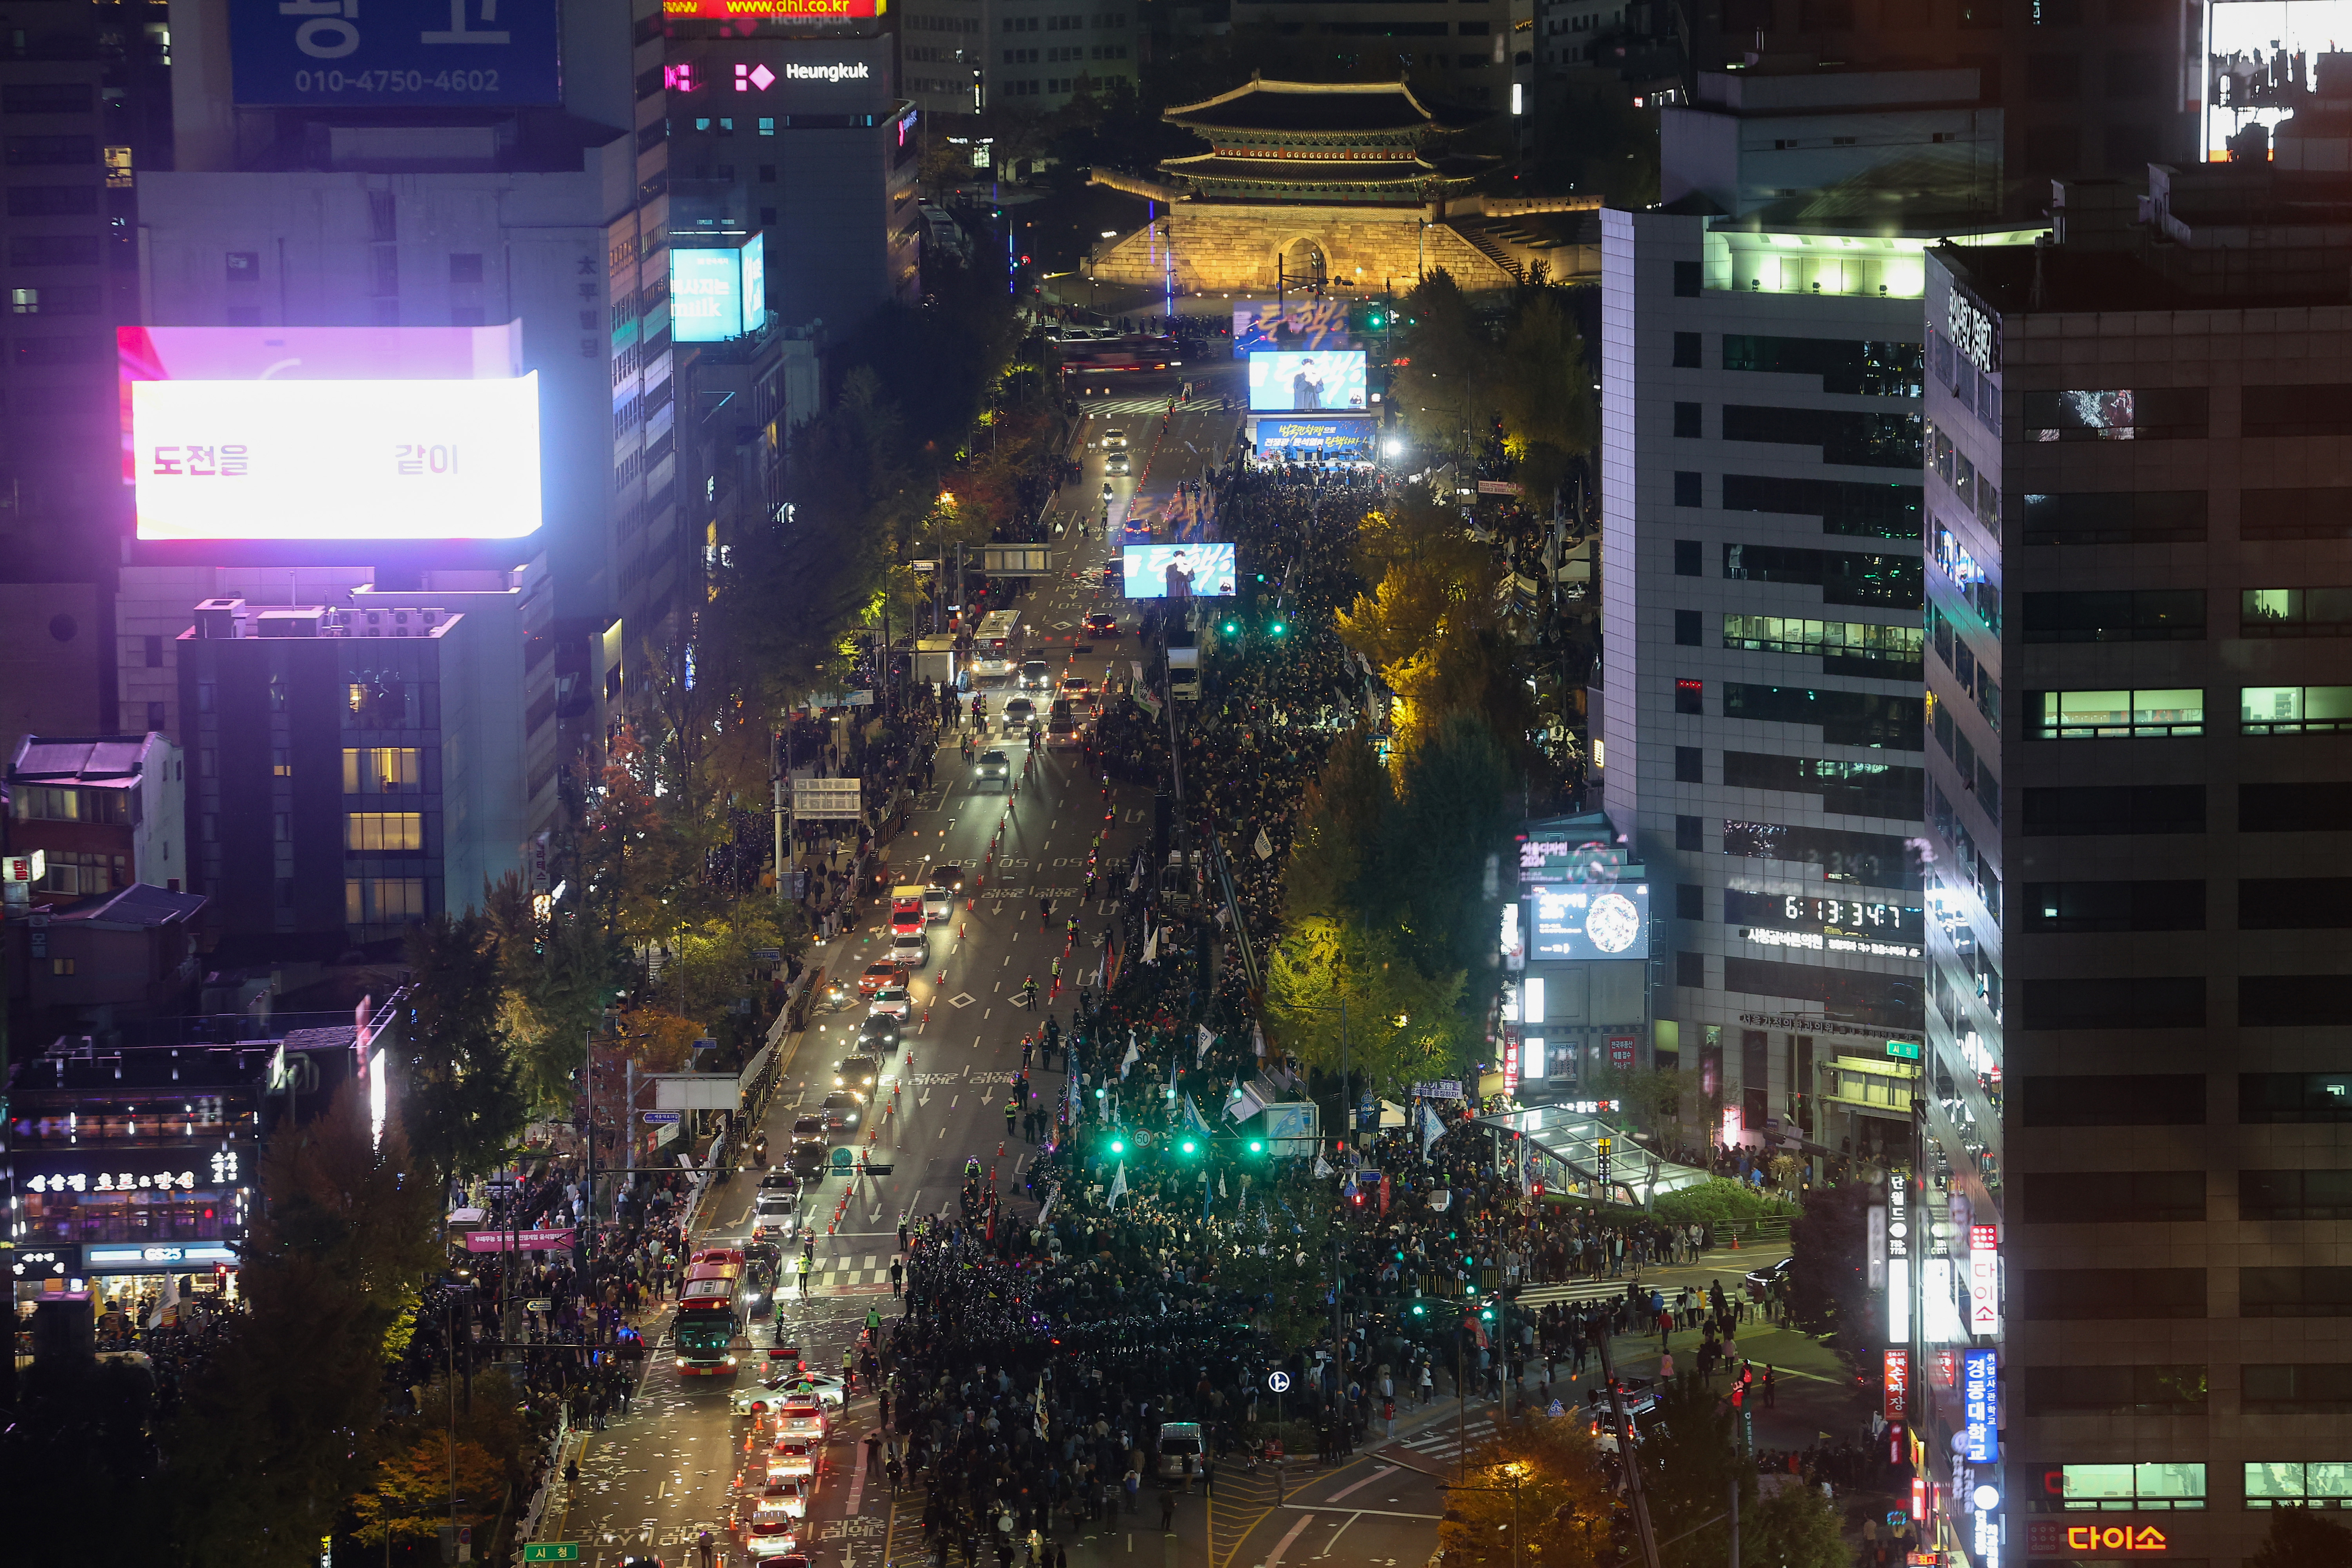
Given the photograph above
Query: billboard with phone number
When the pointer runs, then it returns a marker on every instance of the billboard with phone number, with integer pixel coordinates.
(423, 52)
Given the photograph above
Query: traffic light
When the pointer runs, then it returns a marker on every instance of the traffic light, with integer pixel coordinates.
(1420, 1309)
(1257, 1145)
(1231, 627)
(1375, 318)
(1277, 627)
(1191, 1148)
(1118, 1145)
(1485, 1314)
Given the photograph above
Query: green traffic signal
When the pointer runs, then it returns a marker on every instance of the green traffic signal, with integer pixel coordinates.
(1419, 1309)
(1191, 1148)
(1485, 1314)
(1256, 1147)
(1231, 628)
(1277, 628)
(1118, 1145)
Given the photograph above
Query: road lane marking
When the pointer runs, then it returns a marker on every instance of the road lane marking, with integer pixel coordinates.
(1358, 1485)
(1274, 1558)
(1375, 1512)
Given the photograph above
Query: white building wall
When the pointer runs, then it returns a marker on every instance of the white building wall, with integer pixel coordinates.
(1663, 557)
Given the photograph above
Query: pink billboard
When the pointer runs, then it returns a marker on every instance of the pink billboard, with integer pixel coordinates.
(343, 433)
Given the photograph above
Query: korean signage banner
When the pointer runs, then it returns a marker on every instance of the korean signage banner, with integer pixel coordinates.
(519, 1241)
(1984, 1279)
(336, 459)
(402, 52)
(2107, 1538)
(1898, 1384)
(139, 1257)
(1980, 1391)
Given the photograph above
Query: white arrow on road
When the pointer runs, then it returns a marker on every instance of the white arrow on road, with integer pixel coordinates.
(927, 1096)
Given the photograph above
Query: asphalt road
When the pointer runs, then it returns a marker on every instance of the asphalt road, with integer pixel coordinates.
(670, 1469)
(674, 1466)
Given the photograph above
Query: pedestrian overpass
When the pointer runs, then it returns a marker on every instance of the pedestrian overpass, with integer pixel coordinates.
(1562, 1149)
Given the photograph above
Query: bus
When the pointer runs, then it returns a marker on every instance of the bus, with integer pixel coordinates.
(710, 1316)
(998, 644)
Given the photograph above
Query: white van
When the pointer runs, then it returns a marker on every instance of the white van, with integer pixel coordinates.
(1179, 1450)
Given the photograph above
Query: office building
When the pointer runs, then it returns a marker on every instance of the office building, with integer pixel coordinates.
(2140, 786)
(1460, 53)
(524, 689)
(2085, 86)
(104, 811)
(1757, 721)
(961, 56)
(807, 142)
(351, 772)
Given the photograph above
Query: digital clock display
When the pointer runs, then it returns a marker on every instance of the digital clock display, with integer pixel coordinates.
(1854, 923)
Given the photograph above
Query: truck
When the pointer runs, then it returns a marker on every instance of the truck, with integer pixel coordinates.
(936, 661)
(906, 909)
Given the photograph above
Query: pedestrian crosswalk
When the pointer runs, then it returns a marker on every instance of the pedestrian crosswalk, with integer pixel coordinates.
(861, 1275)
(1446, 1441)
(1124, 405)
(1574, 1291)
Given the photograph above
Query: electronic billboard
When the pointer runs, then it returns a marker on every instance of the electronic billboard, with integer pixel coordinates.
(1591, 920)
(755, 283)
(335, 459)
(1283, 382)
(1342, 436)
(344, 434)
(705, 295)
(1178, 571)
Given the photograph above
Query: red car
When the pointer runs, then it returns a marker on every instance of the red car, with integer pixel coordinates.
(880, 977)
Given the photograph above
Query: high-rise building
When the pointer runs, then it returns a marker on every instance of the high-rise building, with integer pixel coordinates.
(85, 114)
(1757, 724)
(1462, 52)
(961, 56)
(2086, 86)
(2140, 785)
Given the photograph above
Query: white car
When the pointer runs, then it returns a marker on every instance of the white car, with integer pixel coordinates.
(825, 1385)
(892, 1001)
(795, 1458)
(759, 1399)
(770, 1529)
(912, 949)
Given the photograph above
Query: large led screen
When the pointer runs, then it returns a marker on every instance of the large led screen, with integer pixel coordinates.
(411, 53)
(2261, 57)
(1342, 436)
(1307, 383)
(425, 459)
(705, 295)
(755, 283)
(1177, 571)
(1595, 920)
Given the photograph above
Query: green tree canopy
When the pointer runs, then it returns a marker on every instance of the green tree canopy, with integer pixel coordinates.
(462, 1100)
(278, 1424)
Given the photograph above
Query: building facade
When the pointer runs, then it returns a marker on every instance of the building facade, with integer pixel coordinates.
(1758, 735)
(965, 57)
(2085, 86)
(104, 811)
(350, 774)
(2137, 786)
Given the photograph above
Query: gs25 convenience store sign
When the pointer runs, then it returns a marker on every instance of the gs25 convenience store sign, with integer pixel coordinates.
(2104, 1537)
